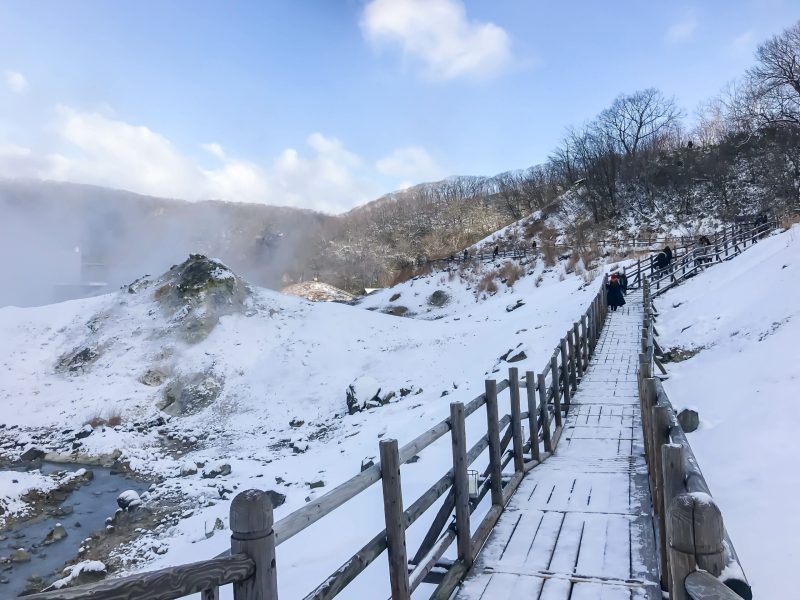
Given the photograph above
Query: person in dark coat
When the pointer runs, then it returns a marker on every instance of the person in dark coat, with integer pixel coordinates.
(623, 282)
(668, 251)
(496, 251)
(614, 293)
(466, 254)
(661, 261)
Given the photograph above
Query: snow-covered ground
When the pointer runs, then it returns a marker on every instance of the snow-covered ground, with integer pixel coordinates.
(272, 380)
(745, 316)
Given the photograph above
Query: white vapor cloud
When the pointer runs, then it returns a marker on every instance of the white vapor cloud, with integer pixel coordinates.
(438, 35)
(683, 30)
(104, 150)
(409, 164)
(16, 82)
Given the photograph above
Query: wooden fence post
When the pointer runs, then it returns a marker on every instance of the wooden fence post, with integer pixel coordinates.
(660, 429)
(516, 421)
(565, 374)
(460, 483)
(544, 414)
(584, 344)
(395, 522)
(674, 483)
(493, 430)
(252, 534)
(695, 540)
(578, 350)
(573, 374)
(556, 392)
(533, 412)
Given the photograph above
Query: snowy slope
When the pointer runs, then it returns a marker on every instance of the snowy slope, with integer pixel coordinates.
(745, 316)
(279, 418)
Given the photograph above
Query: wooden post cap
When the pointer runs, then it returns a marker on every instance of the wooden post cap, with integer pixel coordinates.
(697, 525)
(251, 515)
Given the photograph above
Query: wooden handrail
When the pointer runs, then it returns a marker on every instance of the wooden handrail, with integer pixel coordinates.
(691, 530)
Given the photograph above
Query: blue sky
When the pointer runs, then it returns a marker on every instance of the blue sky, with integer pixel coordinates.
(326, 104)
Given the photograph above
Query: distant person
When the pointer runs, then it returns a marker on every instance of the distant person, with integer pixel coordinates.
(496, 251)
(533, 245)
(623, 282)
(466, 255)
(668, 251)
(660, 262)
(614, 293)
(702, 251)
(690, 144)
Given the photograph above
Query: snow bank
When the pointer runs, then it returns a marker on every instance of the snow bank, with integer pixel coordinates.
(746, 316)
(14, 485)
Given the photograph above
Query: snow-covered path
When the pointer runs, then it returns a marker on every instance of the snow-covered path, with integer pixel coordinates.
(579, 525)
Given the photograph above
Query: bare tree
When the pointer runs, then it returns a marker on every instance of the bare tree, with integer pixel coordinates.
(636, 120)
(775, 80)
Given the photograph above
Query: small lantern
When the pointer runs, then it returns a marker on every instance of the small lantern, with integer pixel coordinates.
(472, 483)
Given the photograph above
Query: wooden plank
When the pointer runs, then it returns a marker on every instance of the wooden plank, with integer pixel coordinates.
(461, 484)
(163, 584)
(495, 473)
(573, 375)
(395, 524)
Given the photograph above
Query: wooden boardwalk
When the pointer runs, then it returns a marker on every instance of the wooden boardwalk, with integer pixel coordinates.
(579, 526)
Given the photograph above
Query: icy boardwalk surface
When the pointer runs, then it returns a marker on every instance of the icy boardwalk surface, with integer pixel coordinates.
(579, 526)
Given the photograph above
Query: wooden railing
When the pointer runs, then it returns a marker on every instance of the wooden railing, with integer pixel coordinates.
(688, 260)
(250, 564)
(697, 557)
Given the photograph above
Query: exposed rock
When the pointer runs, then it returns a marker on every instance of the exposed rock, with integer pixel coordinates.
(315, 484)
(364, 392)
(396, 311)
(189, 394)
(219, 470)
(515, 306)
(689, 420)
(296, 423)
(129, 500)
(78, 360)
(85, 432)
(188, 468)
(153, 377)
(366, 464)
(318, 291)
(20, 555)
(32, 454)
(394, 297)
(276, 498)
(55, 534)
(517, 357)
(438, 298)
(197, 293)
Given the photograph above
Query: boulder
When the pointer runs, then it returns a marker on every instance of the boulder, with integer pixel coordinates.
(218, 470)
(315, 484)
(276, 498)
(515, 306)
(55, 534)
(20, 555)
(689, 420)
(32, 454)
(78, 361)
(188, 468)
(438, 298)
(153, 377)
(190, 394)
(129, 500)
(362, 393)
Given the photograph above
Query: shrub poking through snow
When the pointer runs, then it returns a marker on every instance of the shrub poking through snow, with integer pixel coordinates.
(487, 283)
(511, 273)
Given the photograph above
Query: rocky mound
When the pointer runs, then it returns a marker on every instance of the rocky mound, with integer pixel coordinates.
(317, 291)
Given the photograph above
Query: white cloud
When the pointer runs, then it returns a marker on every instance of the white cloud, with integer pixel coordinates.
(410, 164)
(215, 149)
(103, 150)
(683, 30)
(438, 34)
(16, 82)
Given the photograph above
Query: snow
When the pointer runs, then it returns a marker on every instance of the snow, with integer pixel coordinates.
(285, 360)
(745, 316)
(71, 572)
(14, 485)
